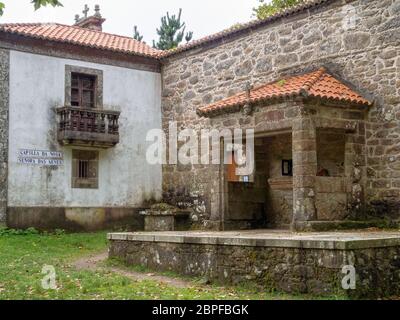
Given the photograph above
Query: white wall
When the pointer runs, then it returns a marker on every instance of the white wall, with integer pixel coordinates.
(125, 179)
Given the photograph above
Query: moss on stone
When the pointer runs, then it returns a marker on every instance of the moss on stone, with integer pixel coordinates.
(163, 207)
(351, 225)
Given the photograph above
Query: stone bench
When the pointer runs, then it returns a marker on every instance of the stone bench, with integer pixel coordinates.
(164, 218)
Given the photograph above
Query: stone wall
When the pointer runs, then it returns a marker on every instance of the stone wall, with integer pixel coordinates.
(294, 270)
(75, 219)
(4, 105)
(357, 41)
(332, 188)
(331, 152)
(280, 191)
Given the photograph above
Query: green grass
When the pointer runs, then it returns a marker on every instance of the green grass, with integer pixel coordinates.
(22, 257)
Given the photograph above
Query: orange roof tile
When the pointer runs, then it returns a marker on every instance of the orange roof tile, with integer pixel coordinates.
(81, 36)
(317, 84)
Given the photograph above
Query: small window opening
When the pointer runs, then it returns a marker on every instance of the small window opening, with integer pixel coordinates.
(83, 89)
(287, 168)
(85, 168)
(83, 171)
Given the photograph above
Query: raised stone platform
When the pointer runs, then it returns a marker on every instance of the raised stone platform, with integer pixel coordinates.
(277, 260)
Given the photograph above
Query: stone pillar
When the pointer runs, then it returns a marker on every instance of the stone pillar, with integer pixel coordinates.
(217, 196)
(304, 172)
(355, 171)
(4, 102)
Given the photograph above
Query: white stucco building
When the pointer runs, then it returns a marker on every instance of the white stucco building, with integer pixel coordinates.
(77, 122)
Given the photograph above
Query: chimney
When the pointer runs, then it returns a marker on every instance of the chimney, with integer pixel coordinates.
(94, 22)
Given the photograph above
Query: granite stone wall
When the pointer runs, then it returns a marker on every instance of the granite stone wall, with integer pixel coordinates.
(331, 152)
(332, 187)
(4, 103)
(357, 41)
(280, 189)
(293, 270)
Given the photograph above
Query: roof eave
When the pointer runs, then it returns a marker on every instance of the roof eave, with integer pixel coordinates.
(202, 112)
(27, 36)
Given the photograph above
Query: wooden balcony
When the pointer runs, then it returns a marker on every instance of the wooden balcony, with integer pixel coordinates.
(87, 127)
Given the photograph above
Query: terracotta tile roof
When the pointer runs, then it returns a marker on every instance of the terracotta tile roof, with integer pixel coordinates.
(317, 84)
(101, 40)
(81, 36)
(304, 5)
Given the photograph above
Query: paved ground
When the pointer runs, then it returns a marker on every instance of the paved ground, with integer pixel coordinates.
(271, 238)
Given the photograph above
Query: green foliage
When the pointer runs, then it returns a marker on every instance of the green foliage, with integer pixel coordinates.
(235, 26)
(171, 32)
(136, 35)
(59, 232)
(162, 207)
(265, 10)
(15, 232)
(281, 83)
(42, 3)
(37, 4)
(29, 232)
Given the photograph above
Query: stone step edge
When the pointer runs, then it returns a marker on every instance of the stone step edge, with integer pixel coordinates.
(331, 244)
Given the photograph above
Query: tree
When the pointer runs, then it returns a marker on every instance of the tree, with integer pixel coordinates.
(265, 10)
(37, 4)
(136, 35)
(171, 32)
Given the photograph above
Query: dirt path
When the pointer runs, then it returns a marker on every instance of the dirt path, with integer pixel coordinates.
(90, 262)
(93, 263)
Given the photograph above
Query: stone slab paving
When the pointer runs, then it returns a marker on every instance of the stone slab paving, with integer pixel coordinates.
(271, 238)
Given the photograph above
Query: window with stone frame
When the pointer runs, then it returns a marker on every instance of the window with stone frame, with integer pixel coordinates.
(83, 90)
(85, 169)
(83, 87)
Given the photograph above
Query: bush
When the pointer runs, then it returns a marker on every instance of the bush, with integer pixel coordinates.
(59, 232)
(27, 232)
(19, 232)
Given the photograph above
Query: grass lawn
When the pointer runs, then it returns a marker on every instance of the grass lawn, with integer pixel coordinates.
(23, 256)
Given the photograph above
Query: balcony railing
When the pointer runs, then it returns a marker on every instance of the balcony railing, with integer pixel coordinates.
(88, 127)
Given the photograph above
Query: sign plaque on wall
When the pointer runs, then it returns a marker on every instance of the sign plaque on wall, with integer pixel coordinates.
(40, 157)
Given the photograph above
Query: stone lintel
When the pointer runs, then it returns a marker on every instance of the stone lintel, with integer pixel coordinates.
(350, 126)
